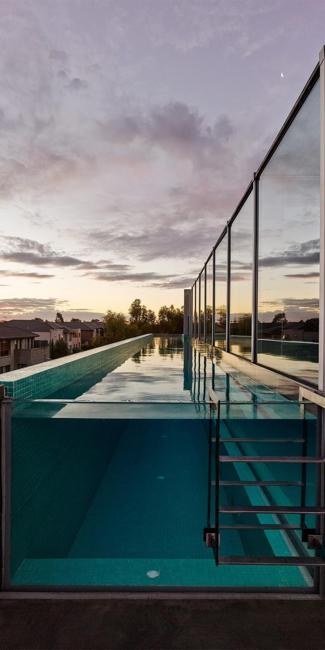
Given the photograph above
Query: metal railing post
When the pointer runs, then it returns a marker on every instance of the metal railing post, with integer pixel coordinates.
(205, 304)
(254, 333)
(228, 288)
(199, 310)
(213, 297)
(5, 431)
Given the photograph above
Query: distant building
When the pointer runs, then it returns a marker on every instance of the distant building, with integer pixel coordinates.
(89, 331)
(47, 333)
(72, 335)
(18, 348)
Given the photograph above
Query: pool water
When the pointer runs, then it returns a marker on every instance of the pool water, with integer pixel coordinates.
(110, 479)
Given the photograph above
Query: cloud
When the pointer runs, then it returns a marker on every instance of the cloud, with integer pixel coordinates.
(302, 275)
(160, 242)
(26, 274)
(304, 254)
(77, 84)
(150, 278)
(176, 129)
(29, 251)
(13, 306)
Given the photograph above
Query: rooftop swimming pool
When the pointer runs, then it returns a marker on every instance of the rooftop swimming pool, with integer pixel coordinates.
(113, 478)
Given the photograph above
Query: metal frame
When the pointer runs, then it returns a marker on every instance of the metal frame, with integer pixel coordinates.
(205, 302)
(254, 333)
(212, 532)
(213, 297)
(318, 72)
(228, 287)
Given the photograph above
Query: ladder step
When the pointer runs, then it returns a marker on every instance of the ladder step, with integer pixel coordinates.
(260, 483)
(273, 510)
(259, 527)
(286, 560)
(264, 440)
(271, 459)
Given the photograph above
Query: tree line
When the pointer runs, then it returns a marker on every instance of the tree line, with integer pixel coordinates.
(141, 320)
(117, 326)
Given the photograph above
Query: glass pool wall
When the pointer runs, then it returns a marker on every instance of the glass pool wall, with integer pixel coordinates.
(257, 295)
(109, 489)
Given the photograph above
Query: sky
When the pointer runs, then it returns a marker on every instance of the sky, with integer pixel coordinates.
(129, 130)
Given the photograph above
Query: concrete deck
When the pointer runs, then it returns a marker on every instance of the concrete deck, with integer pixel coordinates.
(100, 622)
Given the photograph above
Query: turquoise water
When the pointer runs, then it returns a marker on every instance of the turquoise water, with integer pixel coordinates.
(111, 488)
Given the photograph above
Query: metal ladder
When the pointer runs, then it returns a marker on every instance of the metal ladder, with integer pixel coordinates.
(302, 538)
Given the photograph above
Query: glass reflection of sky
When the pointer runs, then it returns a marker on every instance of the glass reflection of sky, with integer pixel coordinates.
(289, 217)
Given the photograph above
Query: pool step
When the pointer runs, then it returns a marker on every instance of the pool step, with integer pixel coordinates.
(287, 560)
(272, 459)
(273, 510)
(265, 440)
(260, 483)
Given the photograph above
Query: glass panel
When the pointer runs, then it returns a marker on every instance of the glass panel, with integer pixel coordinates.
(221, 293)
(201, 314)
(289, 249)
(209, 300)
(241, 278)
(194, 324)
(116, 494)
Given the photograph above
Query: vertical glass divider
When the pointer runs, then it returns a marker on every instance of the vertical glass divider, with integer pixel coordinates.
(199, 310)
(195, 313)
(321, 378)
(205, 303)
(213, 296)
(228, 287)
(255, 273)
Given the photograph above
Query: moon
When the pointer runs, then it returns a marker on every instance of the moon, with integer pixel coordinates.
(282, 75)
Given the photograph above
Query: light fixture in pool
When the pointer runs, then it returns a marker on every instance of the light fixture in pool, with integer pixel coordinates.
(153, 574)
(160, 478)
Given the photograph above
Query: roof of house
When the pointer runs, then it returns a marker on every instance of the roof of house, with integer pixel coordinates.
(95, 325)
(9, 332)
(33, 325)
(56, 326)
(75, 325)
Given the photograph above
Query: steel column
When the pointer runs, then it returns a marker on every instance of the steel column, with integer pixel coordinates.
(255, 271)
(228, 287)
(213, 297)
(205, 303)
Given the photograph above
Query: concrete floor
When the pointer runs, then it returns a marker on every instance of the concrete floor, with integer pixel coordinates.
(168, 623)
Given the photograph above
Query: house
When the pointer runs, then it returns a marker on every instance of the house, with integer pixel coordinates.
(72, 335)
(47, 333)
(18, 348)
(97, 328)
(89, 331)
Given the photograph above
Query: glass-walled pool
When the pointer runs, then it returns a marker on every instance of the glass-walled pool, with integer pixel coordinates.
(114, 480)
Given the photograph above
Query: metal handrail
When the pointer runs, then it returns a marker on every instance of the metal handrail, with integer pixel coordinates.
(212, 531)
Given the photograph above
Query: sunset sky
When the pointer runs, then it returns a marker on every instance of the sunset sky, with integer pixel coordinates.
(129, 130)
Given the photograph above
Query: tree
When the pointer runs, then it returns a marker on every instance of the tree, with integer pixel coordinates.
(136, 311)
(59, 349)
(279, 318)
(170, 320)
(59, 318)
(115, 327)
